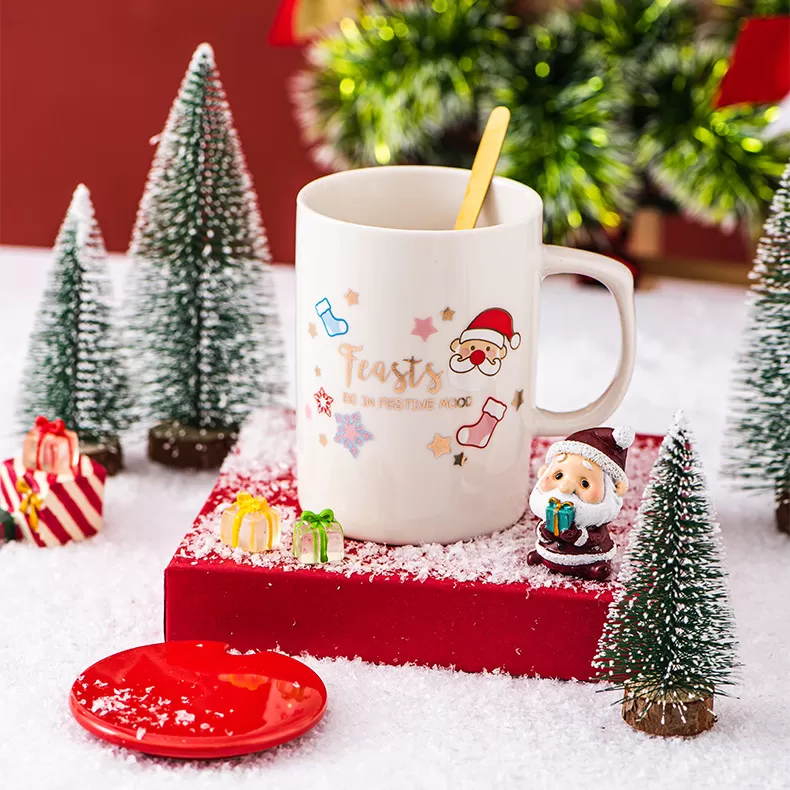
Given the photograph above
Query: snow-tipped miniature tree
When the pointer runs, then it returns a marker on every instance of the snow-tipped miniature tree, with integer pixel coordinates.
(204, 319)
(759, 427)
(75, 370)
(669, 640)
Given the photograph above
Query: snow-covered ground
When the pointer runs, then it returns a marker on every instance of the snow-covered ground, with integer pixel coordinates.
(61, 610)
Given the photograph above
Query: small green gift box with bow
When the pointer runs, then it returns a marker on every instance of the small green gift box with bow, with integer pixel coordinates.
(318, 538)
(559, 516)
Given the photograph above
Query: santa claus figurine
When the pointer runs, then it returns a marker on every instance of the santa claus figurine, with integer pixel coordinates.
(580, 489)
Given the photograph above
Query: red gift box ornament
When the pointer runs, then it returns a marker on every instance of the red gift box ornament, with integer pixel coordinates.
(50, 509)
(50, 447)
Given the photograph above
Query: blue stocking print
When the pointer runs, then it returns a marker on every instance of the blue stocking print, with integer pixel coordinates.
(334, 326)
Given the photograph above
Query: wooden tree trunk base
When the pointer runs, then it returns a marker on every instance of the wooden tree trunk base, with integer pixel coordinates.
(671, 719)
(177, 445)
(108, 453)
(783, 512)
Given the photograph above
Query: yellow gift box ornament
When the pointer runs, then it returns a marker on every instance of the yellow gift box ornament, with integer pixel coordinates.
(250, 524)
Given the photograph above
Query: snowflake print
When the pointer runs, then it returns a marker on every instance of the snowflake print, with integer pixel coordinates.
(351, 433)
(324, 402)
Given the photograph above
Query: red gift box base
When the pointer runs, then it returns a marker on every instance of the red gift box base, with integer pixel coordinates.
(474, 606)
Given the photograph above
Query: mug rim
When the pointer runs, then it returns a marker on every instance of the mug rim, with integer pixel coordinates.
(303, 197)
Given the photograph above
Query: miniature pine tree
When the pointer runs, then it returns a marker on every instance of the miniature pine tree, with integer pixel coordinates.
(669, 641)
(759, 427)
(75, 370)
(204, 318)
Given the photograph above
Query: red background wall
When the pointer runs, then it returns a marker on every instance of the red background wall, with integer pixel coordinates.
(85, 84)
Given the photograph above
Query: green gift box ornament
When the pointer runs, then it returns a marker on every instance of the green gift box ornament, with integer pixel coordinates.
(318, 538)
(559, 516)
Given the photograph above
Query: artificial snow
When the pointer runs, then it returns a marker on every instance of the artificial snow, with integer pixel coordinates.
(266, 452)
(402, 727)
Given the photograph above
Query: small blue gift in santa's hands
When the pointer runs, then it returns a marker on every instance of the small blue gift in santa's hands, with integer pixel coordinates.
(559, 516)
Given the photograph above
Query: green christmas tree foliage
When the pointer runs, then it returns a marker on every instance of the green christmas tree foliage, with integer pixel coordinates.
(75, 369)
(401, 82)
(669, 636)
(759, 426)
(566, 140)
(204, 319)
(716, 164)
(628, 32)
(615, 98)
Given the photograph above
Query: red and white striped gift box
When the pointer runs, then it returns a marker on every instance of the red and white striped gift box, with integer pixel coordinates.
(51, 510)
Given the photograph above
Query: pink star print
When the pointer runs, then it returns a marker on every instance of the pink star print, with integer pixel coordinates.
(424, 328)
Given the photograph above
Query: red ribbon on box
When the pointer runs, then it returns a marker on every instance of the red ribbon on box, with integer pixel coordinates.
(57, 427)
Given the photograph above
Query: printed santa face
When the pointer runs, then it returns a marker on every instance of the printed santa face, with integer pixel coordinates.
(484, 343)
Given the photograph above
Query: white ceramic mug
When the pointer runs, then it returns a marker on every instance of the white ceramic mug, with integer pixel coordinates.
(416, 351)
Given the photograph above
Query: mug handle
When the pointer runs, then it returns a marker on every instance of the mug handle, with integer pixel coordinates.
(620, 282)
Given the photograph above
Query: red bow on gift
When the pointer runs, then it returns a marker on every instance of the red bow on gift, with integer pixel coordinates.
(56, 427)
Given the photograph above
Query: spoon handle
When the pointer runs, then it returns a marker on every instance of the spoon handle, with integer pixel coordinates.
(483, 168)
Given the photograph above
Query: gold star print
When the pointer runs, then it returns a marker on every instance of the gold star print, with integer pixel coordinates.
(311, 330)
(447, 314)
(352, 297)
(459, 460)
(440, 445)
(317, 371)
(518, 399)
(322, 438)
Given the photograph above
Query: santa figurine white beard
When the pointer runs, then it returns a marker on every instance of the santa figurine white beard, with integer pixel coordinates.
(586, 550)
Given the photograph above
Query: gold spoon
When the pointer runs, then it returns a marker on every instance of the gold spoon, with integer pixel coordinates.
(483, 168)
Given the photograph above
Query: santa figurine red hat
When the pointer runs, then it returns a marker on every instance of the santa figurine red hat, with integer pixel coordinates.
(607, 447)
(493, 325)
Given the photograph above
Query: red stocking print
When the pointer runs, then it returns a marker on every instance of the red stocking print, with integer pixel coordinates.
(479, 434)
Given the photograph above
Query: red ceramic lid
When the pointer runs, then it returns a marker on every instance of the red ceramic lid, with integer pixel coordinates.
(197, 699)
